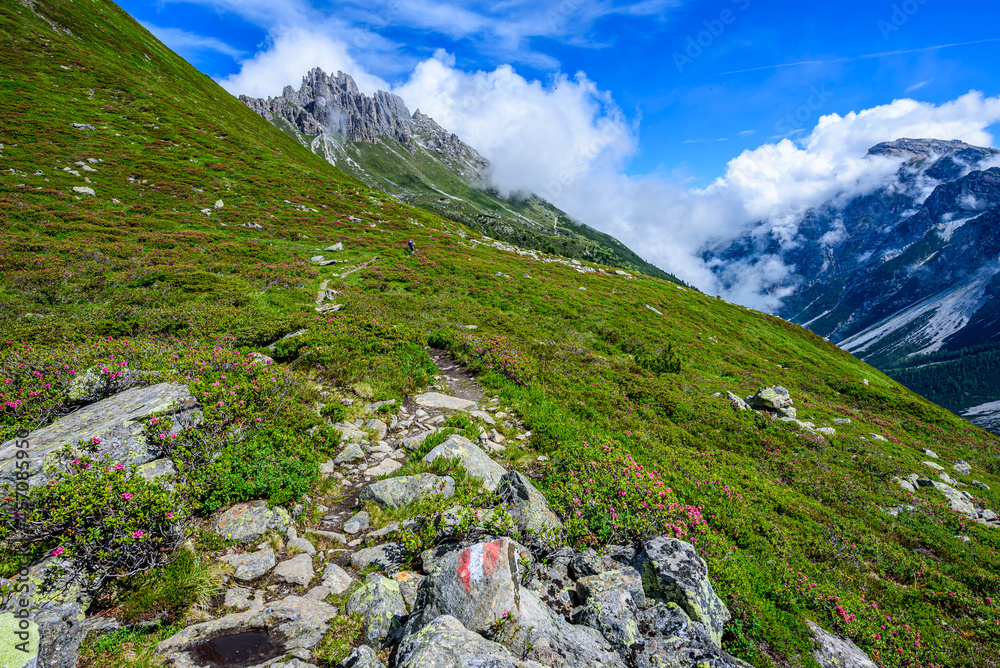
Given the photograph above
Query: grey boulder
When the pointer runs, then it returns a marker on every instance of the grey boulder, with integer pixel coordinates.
(772, 398)
(363, 656)
(476, 462)
(248, 522)
(443, 401)
(397, 492)
(526, 504)
(336, 579)
(672, 571)
(380, 603)
(251, 565)
(611, 601)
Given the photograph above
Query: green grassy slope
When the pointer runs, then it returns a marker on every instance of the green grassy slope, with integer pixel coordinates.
(789, 522)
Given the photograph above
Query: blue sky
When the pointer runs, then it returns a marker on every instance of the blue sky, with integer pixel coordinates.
(671, 124)
(678, 68)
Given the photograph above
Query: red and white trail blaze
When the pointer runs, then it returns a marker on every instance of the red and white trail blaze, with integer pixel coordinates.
(478, 561)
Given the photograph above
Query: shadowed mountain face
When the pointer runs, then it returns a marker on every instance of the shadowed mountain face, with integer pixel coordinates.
(409, 156)
(907, 277)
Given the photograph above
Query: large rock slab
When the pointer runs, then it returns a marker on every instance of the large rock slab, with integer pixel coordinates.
(835, 651)
(251, 565)
(672, 571)
(295, 623)
(114, 424)
(476, 462)
(248, 522)
(446, 643)
(527, 505)
(445, 402)
(397, 492)
(380, 603)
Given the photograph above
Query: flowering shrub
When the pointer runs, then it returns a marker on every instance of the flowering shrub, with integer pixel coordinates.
(499, 355)
(108, 522)
(606, 496)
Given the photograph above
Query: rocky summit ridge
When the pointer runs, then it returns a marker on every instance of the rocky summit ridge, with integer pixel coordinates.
(335, 105)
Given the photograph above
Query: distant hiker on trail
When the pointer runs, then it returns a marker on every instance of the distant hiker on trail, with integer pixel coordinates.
(413, 247)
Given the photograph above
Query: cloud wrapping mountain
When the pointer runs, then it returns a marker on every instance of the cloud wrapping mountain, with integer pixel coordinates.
(568, 141)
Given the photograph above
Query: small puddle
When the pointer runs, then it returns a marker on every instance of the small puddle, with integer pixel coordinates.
(235, 651)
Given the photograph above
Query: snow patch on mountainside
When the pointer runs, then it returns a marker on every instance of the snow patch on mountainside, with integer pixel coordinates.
(931, 322)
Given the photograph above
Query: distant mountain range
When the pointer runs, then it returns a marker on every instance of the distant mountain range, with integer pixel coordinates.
(907, 277)
(409, 156)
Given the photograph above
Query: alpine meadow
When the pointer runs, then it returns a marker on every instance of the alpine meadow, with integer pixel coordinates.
(244, 424)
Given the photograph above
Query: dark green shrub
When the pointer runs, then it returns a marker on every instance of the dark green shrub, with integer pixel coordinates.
(274, 465)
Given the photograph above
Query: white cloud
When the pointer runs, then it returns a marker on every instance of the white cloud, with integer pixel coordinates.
(916, 86)
(289, 55)
(566, 141)
(537, 136)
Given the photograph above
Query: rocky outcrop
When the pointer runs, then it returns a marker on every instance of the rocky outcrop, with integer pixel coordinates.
(113, 427)
(526, 504)
(672, 572)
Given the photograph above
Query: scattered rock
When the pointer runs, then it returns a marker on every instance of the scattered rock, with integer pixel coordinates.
(241, 598)
(737, 403)
(981, 485)
(611, 601)
(835, 651)
(248, 522)
(388, 557)
(408, 582)
(82, 126)
(397, 492)
(963, 467)
(298, 570)
(443, 401)
(385, 467)
(84, 190)
(476, 462)
(351, 453)
(414, 442)
(358, 522)
(218, 204)
(929, 453)
(936, 467)
(336, 579)
(363, 656)
(485, 417)
(841, 420)
(251, 565)
(335, 247)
